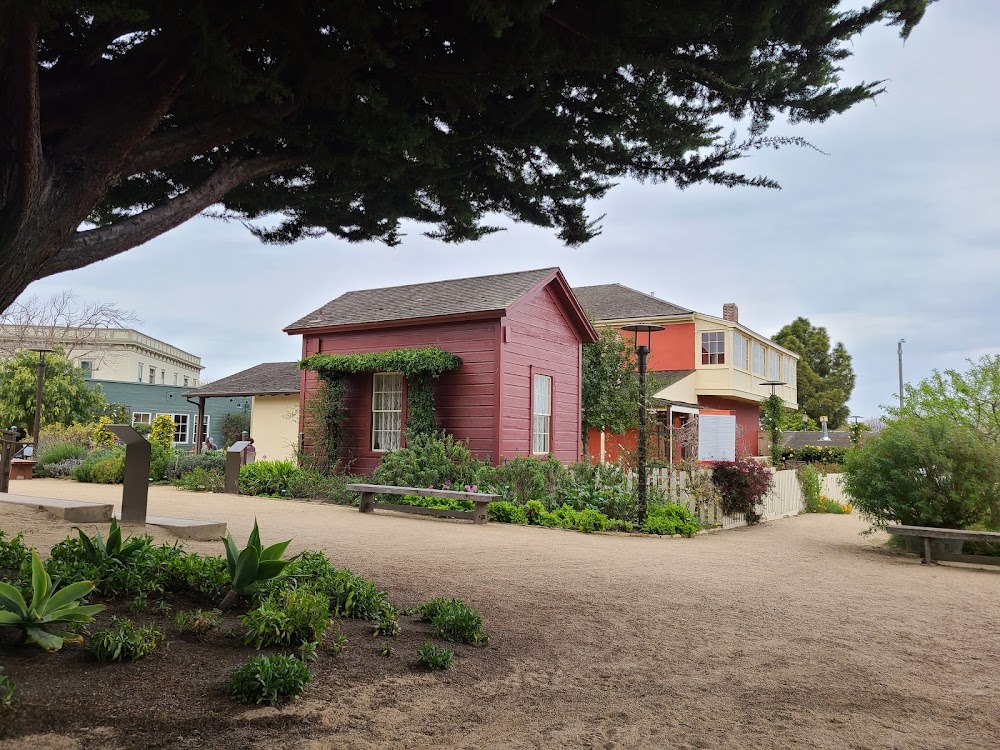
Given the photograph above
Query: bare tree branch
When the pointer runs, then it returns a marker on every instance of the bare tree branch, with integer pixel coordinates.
(79, 327)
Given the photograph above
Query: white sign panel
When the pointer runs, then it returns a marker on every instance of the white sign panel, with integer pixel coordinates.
(717, 437)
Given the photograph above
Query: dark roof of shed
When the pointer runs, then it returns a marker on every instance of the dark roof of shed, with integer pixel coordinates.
(431, 300)
(267, 379)
(800, 439)
(617, 302)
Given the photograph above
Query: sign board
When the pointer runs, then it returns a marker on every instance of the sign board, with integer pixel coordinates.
(716, 437)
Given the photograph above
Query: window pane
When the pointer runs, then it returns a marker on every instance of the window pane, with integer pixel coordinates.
(713, 348)
(387, 411)
(541, 428)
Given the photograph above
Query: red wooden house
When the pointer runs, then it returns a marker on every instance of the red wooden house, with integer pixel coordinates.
(517, 391)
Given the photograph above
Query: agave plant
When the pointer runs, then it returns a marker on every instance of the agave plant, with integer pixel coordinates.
(53, 615)
(252, 565)
(99, 552)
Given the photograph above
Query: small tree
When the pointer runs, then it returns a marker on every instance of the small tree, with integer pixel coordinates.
(162, 431)
(924, 472)
(610, 395)
(234, 425)
(66, 397)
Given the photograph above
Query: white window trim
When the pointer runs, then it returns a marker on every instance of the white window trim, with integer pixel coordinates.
(142, 371)
(187, 425)
(754, 347)
(148, 415)
(377, 378)
(701, 349)
(774, 358)
(546, 434)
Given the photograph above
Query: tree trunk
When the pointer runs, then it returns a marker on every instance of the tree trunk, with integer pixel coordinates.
(585, 432)
(229, 601)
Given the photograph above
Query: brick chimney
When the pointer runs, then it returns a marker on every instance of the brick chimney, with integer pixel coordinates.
(731, 312)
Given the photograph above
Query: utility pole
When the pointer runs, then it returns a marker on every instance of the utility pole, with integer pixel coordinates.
(899, 351)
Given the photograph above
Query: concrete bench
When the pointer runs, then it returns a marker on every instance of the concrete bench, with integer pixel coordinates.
(480, 501)
(76, 511)
(928, 533)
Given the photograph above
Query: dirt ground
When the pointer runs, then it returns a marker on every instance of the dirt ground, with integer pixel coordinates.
(795, 634)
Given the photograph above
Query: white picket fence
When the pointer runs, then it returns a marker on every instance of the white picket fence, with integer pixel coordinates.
(693, 492)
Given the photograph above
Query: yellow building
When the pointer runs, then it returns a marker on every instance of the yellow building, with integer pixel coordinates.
(273, 390)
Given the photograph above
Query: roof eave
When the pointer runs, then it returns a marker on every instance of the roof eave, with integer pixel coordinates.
(399, 323)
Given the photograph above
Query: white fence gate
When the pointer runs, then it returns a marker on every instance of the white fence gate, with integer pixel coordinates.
(694, 491)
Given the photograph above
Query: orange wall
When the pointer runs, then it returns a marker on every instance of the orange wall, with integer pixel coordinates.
(672, 348)
(747, 417)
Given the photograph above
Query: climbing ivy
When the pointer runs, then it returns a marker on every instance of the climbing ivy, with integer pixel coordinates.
(328, 415)
(771, 413)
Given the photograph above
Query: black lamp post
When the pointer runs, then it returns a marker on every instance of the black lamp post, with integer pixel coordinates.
(38, 398)
(642, 352)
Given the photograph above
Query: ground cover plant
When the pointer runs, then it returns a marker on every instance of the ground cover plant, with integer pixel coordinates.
(434, 657)
(290, 612)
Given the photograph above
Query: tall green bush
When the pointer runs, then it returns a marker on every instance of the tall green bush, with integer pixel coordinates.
(436, 460)
(162, 431)
(924, 472)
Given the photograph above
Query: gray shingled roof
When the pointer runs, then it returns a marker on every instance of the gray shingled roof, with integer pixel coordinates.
(267, 379)
(452, 297)
(617, 302)
(800, 439)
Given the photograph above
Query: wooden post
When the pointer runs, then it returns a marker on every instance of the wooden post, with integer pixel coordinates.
(367, 504)
(9, 448)
(480, 514)
(928, 557)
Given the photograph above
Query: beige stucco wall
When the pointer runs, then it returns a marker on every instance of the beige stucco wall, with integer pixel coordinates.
(274, 427)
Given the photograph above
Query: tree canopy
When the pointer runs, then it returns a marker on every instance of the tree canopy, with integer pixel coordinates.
(610, 390)
(969, 398)
(121, 119)
(66, 397)
(825, 376)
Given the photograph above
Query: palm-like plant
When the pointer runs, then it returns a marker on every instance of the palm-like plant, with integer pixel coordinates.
(52, 617)
(116, 549)
(252, 565)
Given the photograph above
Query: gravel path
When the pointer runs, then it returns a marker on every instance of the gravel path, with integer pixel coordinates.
(796, 634)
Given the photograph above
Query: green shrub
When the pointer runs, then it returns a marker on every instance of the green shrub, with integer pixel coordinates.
(314, 485)
(601, 487)
(828, 454)
(669, 519)
(161, 431)
(271, 679)
(253, 565)
(189, 462)
(201, 479)
(207, 575)
(198, 622)
(520, 480)
(267, 478)
(102, 437)
(742, 485)
(534, 511)
(350, 595)
(338, 643)
(434, 657)
(507, 512)
(454, 620)
(13, 553)
(288, 617)
(160, 460)
(442, 503)
(431, 460)
(54, 453)
(386, 650)
(8, 691)
(143, 429)
(123, 640)
(82, 472)
(109, 470)
(78, 434)
(809, 480)
(924, 472)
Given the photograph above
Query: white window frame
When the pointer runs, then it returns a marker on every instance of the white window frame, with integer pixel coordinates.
(713, 346)
(186, 424)
(758, 348)
(185, 381)
(152, 375)
(175, 378)
(142, 371)
(163, 377)
(387, 411)
(741, 351)
(206, 427)
(788, 364)
(541, 414)
(136, 414)
(773, 365)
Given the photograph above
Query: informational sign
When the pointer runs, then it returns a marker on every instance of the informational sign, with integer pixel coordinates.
(716, 437)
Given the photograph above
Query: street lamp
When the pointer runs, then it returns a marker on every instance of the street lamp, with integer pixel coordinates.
(42, 351)
(642, 352)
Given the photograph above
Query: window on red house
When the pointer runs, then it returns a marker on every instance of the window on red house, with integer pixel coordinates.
(387, 411)
(541, 433)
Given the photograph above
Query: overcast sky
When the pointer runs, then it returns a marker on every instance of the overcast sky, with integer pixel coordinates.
(891, 233)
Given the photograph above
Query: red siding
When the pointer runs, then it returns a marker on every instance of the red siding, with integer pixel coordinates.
(540, 340)
(747, 421)
(673, 348)
(464, 400)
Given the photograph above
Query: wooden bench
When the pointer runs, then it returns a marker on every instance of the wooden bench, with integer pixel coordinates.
(928, 533)
(480, 501)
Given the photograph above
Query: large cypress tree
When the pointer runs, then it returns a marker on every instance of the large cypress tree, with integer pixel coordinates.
(121, 119)
(825, 376)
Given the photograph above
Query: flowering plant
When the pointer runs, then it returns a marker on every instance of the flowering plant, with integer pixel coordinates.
(742, 486)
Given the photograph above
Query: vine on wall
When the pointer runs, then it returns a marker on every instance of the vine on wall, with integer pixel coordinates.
(327, 414)
(772, 410)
